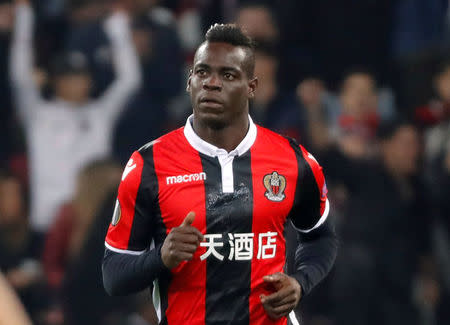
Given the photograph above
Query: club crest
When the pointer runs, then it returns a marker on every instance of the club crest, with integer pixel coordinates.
(275, 185)
(117, 214)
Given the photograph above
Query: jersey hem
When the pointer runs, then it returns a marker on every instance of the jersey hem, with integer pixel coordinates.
(320, 222)
(123, 251)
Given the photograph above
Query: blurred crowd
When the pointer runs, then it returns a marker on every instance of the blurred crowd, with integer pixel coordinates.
(364, 85)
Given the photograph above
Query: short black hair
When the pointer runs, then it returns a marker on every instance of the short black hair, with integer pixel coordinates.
(357, 70)
(234, 35)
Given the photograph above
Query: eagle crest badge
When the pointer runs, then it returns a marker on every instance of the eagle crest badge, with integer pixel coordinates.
(275, 185)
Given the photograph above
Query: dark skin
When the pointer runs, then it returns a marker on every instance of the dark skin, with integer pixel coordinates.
(220, 87)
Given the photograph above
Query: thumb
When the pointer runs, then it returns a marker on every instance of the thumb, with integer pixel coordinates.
(189, 219)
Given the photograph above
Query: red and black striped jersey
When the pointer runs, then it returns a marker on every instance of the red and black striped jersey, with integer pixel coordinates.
(242, 200)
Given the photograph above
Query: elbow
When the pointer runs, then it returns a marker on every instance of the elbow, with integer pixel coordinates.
(109, 286)
(111, 289)
(111, 283)
(132, 83)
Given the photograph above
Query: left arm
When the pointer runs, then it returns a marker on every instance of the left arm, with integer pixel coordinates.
(315, 256)
(126, 65)
(317, 245)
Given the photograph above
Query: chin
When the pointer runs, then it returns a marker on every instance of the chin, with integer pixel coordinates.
(214, 120)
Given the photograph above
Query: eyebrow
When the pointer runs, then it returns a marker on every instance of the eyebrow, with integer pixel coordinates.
(224, 68)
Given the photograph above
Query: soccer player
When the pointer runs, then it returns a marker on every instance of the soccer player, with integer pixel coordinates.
(69, 130)
(202, 210)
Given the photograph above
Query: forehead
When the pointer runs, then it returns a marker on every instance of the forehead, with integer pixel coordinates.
(219, 54)
(359, 80)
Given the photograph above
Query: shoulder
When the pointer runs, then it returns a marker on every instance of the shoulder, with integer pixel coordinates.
(169, 140)
(280, 142)
(274, 139)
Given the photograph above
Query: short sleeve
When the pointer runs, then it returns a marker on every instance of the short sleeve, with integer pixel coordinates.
(311, 206)
(130, 228)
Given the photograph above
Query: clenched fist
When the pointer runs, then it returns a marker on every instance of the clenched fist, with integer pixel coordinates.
(284, 299)
(181, 243)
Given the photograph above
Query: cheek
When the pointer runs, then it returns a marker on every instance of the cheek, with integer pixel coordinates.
(194, 85)
(238, 94)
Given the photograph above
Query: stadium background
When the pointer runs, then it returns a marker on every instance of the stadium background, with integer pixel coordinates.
(364, 84)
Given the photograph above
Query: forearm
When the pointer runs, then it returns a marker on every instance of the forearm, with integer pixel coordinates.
(21, 47)
(125, 59)
(125, 274)
(21, 62)
(315, 256)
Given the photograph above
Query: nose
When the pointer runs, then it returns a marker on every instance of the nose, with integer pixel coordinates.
(213, 82)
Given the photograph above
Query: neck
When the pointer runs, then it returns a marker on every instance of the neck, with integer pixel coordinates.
(227, 137)
(74, 101)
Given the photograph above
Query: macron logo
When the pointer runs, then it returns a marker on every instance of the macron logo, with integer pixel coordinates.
(128, 168)
(185, 178)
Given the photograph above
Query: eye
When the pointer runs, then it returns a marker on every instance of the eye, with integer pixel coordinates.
(228, 76)
(200, 72)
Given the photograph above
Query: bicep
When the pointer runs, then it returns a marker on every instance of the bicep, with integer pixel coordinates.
(311, 206)
(130, 230)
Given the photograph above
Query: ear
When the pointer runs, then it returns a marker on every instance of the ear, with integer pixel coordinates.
(252, 85)
(188, 83)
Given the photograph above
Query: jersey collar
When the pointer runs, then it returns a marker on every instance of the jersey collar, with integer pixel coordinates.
(211, 150)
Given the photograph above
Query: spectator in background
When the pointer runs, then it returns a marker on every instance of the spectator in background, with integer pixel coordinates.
(342, 129)
(70, 255)
(85, 300)
(436, 115)
(74, 245)
(416, 42)
(258, 21)
(68, 231)
(156, 42)
(69, 130)
(20, 247)
(346, 122)
(441, 190)
(6, 116)
(83, 12)
(311, 93)
(386, 237)
(146, 113)
(272, 107)
(358, 120)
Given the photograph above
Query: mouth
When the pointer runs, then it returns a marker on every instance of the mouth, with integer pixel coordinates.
(211, 102)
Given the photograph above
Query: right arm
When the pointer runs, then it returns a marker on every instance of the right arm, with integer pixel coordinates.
(21, 60)
(125, 274)
(129, 265)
